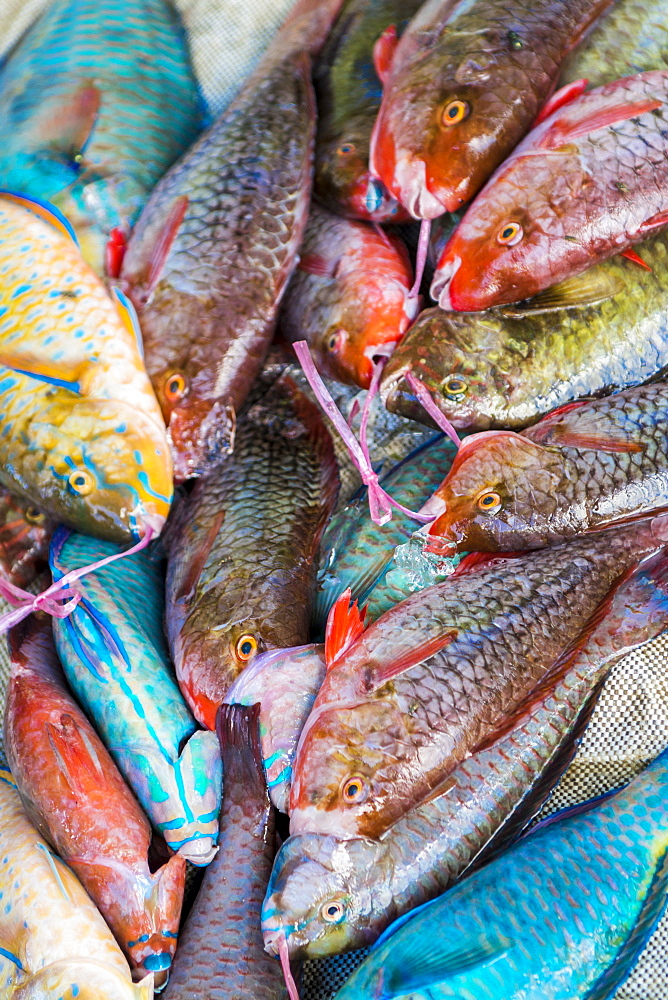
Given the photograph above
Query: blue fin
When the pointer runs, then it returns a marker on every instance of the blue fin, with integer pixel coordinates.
(579, 809)
(431, 962)
(45, 210)
(12, 958)
(61, 382)
(129, 316)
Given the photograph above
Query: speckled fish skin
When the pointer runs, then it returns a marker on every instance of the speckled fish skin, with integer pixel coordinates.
(25, 535)
(564, 913)
(584, 198)
(115, 658)
(596, 464)
(495, 60)
(54, 942)
(349, 296)
(221, 954)
(82, 434)
(349, 94)
(227, 222)
(243, 547)
(381, 737)
(487, 799)
(74, 794)
(355, 552)
(97, 100)
(284, 682)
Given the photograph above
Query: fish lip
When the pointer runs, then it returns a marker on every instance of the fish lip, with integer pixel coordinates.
(199, 852)
(155, 522)
(410, 180)
(441, 286)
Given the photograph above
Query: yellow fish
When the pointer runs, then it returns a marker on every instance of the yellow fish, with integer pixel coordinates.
(53, 942)
(81, 432)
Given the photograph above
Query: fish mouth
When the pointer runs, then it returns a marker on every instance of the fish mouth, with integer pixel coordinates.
(410, 179)
(441, 286)
(199, 852)
(149, 520)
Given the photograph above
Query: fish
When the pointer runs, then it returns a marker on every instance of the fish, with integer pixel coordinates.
(284, 682)
(212, 252)
(25, 535)
(53, 941)
(405, 701)
(75, 796)
(97, 100)
(328, 895)
(349, 92)
(356, 553)
(463, 85)
(82, 438)
(349, 296)
(115, 658)
(243, 545)
(581, 468)
(564, 913)
(221, 951)
(591, 177)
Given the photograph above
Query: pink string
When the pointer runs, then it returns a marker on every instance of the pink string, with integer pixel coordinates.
(432, 409)
(60, 590)
(420, 257)
(293, 993)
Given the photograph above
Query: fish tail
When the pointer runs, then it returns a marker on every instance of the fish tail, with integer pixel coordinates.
(238, 729)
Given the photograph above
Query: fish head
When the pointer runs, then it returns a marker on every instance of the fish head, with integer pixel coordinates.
(324, 895)
(200, 426)
(98, 466)
(25, 535)
(344, 182)
(84, 979)
(500, 491)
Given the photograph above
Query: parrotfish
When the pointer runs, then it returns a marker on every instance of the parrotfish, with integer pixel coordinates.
(97, 100)
(588, 182)
(328, 895)
(404, 702)
(74, 794)
(214, 248)
(583, 467)
(284, 682)
(81, 434)
(349, 93)
(53, 942)
(221, 952)
(564, 913)
(25, 535)
(115, 658)
(349, 296)
(243, 546)
(463, 86)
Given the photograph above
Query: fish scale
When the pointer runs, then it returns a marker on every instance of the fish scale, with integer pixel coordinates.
(399, 732)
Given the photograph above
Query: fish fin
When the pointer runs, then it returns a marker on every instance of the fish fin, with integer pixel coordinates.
(74, 753)
(655, 222)
(315, 263)
(631, 255)
(587, 289)
(129, 317)
(479, 560)
(561, 97)
(44, 210)
(382, 673)
(71, 126)
(114, 252)
(41, 370)
(574, 127)
(193, 572)
(433, 960)
(238, 730)
(579, 809)
(383, 52)
(652, 910)
(164, 242)
(594, 442)
(345, 624)
(554, 430)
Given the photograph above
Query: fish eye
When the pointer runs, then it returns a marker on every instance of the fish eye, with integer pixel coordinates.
(346, 149)
(33, 515)
(333, 911)
(455, 386)
(175, 387)
(246, 646)
(510, 234)
(489, 502)
(374, 197)
(81, 482)
(335, 341)
(455, 112)
(354, 790)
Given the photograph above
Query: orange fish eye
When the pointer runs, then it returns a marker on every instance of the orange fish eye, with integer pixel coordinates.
(33, 515)
(81, 482)
(246, 646)
(455, 385)
(175, 387)
(489, 502)
(455, 112)
(510, 234)
(354, 790)
(333, 911)
(346, 149)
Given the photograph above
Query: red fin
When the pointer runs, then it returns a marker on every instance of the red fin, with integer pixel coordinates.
(476, 560)
(194, 571)
(74, 753)
(658, 220)
(409, 658)
(72, 125)
(114, 252)
(165, 240)
(631, 255)
(566, 131)
(539, 431)
(345, 624)
(560, 97)
(383, 52)
(314, 263)
(595, 442)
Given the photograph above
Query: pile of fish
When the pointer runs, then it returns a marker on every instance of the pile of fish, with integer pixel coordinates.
(333, 485)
